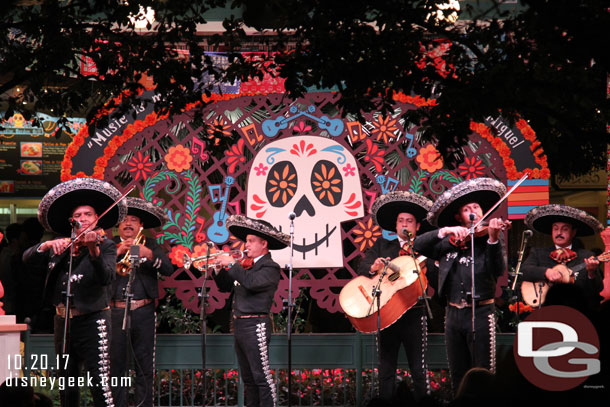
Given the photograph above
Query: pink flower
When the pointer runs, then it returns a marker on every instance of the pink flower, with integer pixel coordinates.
(261, 170)
(349, 170)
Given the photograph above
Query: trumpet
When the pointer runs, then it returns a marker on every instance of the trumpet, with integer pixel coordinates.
(123, 266)
(212, 258)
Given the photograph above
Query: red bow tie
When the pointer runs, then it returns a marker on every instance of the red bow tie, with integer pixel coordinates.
(247, 263)
(405, 250)
(563, 255)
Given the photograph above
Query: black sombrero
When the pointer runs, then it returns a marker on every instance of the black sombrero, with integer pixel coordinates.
(386, 208)
(241, 226)
(57, 205)
(484, 191)
(542, 218)
(152, 216)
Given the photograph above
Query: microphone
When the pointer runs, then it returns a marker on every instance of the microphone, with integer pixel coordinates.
(528, 233)
(471, 217)
(209, 243)
(74, 223)
(391, 266)
(292, 215)
(406, 233)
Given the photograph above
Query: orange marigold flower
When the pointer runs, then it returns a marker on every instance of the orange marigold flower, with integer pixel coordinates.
(384, 128)
(178, 158)
(429, 159)
(366, 234)
(177, 255)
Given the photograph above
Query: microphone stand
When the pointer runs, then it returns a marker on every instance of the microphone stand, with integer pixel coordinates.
(472, 286)
(68, 292)
(377, 295)
(203, 295)
(418, 272)
(289, 306)
(524, 237)
(134, 262)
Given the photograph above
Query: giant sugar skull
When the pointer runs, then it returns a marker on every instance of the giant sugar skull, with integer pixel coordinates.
(318, 180)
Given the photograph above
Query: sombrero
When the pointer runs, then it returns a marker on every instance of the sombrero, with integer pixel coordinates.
(57, 205)
(152, 216)
(484, 191)
(386, 208)
(542, 218)
(241, 226)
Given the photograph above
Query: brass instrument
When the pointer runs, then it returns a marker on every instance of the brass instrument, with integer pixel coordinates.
(123, 266)
(188, 261)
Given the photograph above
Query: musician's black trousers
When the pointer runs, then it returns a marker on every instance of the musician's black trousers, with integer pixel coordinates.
(411, 331)
(252, 337)
(459, 341)
(88, 344)
(142, 335)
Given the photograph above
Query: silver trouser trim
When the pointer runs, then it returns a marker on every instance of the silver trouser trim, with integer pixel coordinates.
(261, 333)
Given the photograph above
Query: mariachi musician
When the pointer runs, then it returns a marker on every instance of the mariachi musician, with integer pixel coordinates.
(454, 212)
(253, 283)
(141, 215)
(76, 204)
(401, 212)
(560, 263)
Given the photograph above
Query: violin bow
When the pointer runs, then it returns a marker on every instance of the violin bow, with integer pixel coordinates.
(510, 191)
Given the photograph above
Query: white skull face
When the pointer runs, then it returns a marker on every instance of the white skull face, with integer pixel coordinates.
(318, 180)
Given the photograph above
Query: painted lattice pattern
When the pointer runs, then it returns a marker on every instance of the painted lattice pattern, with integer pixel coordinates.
(198, 174)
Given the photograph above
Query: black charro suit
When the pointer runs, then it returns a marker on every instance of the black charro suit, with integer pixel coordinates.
(410, 330)
(145, 286)
(89, 333)
(252, 296)
(454, 284)
(585, 290)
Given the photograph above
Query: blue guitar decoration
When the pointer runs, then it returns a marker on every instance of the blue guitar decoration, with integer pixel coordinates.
(217, 232)
(272, 127)
(386, 187)
(411, 152)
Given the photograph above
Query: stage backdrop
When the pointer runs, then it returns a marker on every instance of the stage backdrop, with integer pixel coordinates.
(288, 156)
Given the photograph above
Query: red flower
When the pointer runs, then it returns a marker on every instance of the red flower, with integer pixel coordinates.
(374, 155)
(235, 155)
(140, 166)
(177, 255)
(178, 158)
(471, 168)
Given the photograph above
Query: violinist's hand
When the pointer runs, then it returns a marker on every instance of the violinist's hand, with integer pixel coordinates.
(495, 226)
(459, 232)
(57, 246)
(378, 265)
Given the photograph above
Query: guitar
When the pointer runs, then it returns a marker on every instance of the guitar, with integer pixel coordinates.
(217, 232)
(534, 292)
(398, 294)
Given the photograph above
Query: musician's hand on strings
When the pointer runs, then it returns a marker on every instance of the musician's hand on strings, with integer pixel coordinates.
(495, 226)
(553, 275)
(458, 232)
(592, 263)
(378, 265)
(57, 246)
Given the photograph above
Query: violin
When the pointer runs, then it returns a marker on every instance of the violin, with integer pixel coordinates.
(100, 236)
(480, 232)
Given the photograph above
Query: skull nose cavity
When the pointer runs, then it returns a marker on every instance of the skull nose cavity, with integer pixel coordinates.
(304, 206)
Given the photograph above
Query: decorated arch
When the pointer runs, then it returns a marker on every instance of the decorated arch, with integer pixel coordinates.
(266, 156)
